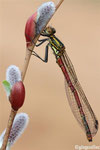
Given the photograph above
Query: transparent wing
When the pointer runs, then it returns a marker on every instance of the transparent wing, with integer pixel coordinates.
(89, 114)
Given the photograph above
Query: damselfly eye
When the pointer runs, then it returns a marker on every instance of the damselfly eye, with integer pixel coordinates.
(49, 30)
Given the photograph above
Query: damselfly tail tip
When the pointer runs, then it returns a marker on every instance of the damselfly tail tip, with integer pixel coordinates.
(89, 135)
(90, 139)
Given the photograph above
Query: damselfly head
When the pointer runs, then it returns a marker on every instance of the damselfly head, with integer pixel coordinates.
(48, 31)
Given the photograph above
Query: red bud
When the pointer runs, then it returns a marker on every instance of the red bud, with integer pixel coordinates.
(17, 95)
(30, 28)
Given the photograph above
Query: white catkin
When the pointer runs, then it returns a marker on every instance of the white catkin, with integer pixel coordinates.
(13, 75)
(45, 12)
(20, 123)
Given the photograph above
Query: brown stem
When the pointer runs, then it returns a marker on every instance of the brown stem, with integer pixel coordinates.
(9, 126)
(58, 5)
(28, 56)
(28, 53)
(26, 62)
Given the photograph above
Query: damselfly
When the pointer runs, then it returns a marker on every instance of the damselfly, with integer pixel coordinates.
(75, 94)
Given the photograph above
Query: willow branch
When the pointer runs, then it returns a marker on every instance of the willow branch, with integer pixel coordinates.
(58, 5)
(9, 126)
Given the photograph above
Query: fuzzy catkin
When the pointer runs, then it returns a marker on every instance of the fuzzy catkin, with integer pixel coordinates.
(13, 74)
(45, 12)
(20, 123)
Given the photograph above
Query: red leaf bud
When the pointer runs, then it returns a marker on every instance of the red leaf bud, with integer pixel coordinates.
(17, 95)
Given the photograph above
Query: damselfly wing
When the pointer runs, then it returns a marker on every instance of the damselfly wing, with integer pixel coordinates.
(89, 114)
(75, 94)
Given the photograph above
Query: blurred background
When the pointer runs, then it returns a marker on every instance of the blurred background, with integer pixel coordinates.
(52, 125)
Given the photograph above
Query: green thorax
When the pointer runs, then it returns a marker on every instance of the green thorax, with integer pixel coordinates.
(56, 45)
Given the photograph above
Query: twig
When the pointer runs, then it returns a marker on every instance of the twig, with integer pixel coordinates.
(29, 53)
(9, 126)
(58, 5)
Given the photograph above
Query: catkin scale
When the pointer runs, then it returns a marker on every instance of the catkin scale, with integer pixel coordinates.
(17, 95)
(30, 28)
